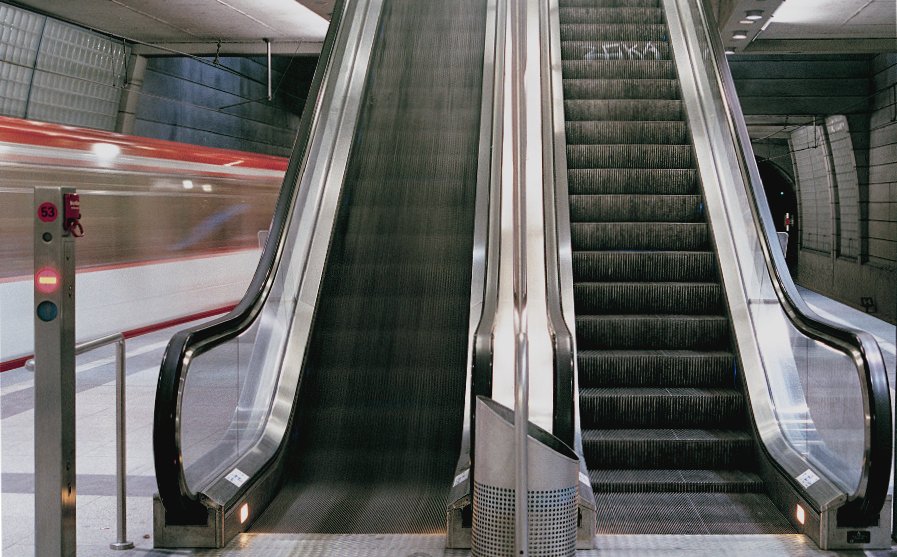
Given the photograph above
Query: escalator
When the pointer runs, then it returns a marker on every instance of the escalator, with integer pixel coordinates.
(665, 426)
(347, 410)
(681, 432)
(380, 409)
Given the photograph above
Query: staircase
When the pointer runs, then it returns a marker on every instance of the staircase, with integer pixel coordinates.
(665, 428)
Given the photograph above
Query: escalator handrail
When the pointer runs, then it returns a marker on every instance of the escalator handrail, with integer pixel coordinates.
(864, 505)
(181, 505)
(483, 342)
(557, 239)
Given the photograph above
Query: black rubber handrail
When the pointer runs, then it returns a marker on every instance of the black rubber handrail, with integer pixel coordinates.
(863, 507)
(183, 507)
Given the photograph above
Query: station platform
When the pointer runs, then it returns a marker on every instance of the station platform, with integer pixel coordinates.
(96, 502)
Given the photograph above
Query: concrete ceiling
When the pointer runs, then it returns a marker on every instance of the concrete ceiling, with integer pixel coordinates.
(298, 26)
(809, 26)
(197, 26)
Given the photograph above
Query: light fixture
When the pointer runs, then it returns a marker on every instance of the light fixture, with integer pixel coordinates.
(730, 50)
(244, 513)
(746, 22)
(739, 35)
(800, 514)
(753, 14)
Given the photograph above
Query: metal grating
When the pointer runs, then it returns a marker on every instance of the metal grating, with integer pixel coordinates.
(552, 515)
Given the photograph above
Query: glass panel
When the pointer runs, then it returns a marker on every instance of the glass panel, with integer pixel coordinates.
(228, 395)
(815, 390)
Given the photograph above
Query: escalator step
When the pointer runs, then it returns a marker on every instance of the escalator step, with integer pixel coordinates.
(613, 32)
(689, 514)
(673, 481)
(620, 298)
(644, 266)
(636, 208)
(615, 50)
(624, 109)
(656, 407)
(640, 236)
(629, 156)
(622, 88)
(391, 315)
(633, 133)
(654, 368)
(611, 15)
(652, 332)
(649, 449)
(611, 3)
(671, 181)
(618, 69)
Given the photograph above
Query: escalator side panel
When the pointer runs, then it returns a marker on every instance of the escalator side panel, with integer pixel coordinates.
(379, 416)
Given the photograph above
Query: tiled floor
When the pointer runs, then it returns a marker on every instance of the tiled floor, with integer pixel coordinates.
(96, 467)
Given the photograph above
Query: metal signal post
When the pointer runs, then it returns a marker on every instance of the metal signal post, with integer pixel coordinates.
(56, 214)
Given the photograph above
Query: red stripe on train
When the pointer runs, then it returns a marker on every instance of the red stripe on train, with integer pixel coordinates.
(19, 362)
(205, 254)
(29, 132)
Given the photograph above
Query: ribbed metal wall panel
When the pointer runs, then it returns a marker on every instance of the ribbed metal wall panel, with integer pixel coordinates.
(78, 78)
(20, 33)
(847, 183)
(57, 72)
(808, 143)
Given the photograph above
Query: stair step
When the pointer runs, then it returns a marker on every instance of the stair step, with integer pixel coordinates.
(619, 298)
(636, 208)
(655, 368)
(689, 514)
(675, 481)
(707, 449)
(618, 69)
(633, 133)
(670, 181)
(656, 407)
(575, 89)
(611, 15)
(610, 3)
(629, 156)
(613, 32)
(644, 266)
(624, 109)
(615, 50)
(640, 236)
(652, 332)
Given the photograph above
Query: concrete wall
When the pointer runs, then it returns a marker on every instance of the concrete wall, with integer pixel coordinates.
(223, 104)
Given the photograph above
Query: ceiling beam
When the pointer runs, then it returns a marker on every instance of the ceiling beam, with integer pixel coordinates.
(239, 48)
(821, 46)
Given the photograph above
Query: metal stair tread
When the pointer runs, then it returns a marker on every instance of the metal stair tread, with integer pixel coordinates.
(598, 476)
(689, 392)
(649, 352)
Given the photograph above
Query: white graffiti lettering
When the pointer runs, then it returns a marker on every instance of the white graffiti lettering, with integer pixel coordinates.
(623, 51)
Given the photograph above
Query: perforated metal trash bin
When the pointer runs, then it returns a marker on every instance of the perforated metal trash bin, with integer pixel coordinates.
(553, 470)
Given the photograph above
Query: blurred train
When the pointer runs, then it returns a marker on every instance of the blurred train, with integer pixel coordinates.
(167, 213)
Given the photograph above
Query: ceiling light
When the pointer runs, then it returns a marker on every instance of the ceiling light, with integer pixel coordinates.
(739, 35)
(753, 14)
(730, 50)
(746, 22)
